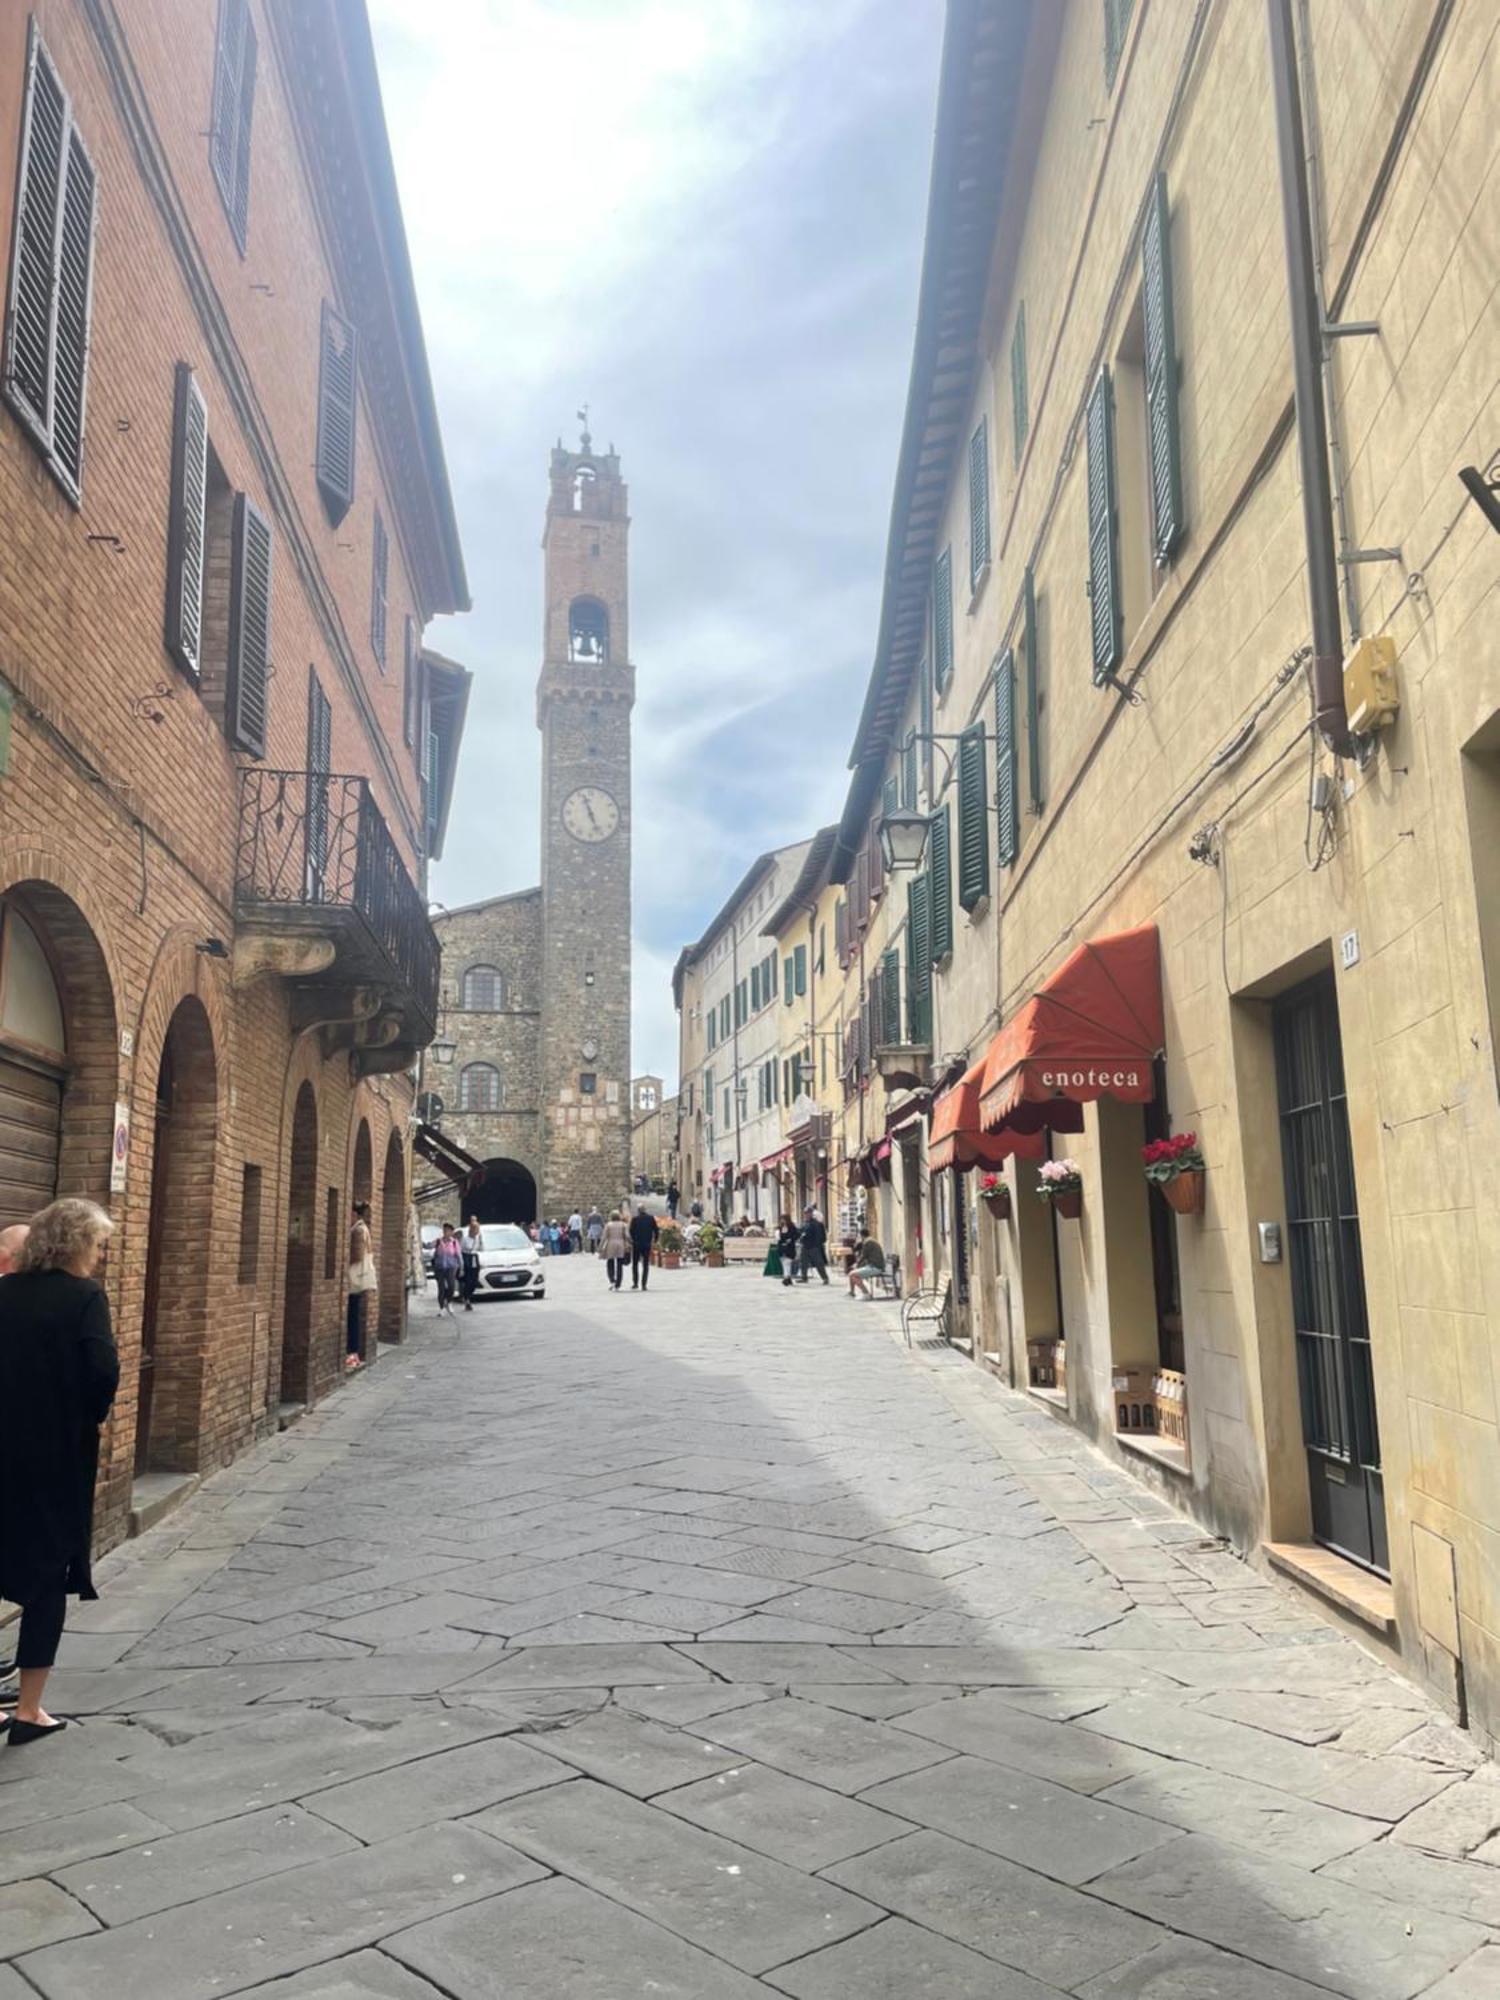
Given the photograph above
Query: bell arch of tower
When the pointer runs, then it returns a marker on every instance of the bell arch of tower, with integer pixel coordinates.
(585, 694)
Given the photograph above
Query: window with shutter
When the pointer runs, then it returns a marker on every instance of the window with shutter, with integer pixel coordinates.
(380, 563)
(409, 682)
(432, 790)
(942, 619)
(1033, 691)
(249, 629)
(1005, 760)
(186, 524)
(799, 957)
(755, 989)
(890, 795)
(973, 816)
(233, 109)
(919, 960)
(979, 503)
(787, 993)
(338, 383)
(1162, 439)
(1020, 405)
(909, 775)
(841, 932)
(890, 996)
(940, 873)
(52, 270)
(1116, 21)
(1104, 552)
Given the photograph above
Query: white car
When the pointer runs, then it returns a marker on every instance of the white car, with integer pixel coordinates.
(510, 1264)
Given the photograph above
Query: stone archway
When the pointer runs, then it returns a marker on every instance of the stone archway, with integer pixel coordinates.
(169, 1392)
(506, 1194)
(301, 1240)
(392, 1295)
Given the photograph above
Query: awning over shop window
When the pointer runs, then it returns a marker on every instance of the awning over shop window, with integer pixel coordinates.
(774, 1160)
(957, 1138)
(1094, 1030)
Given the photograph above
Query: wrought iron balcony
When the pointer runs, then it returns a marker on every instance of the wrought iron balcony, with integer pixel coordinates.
(323, 896)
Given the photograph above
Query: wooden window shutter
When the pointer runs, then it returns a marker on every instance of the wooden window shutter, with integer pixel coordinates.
(409, 682)
(249, 676)
(1116, 21)
(800, 957)
(841, 932)
(380, 564)
(940, 875)
(1020, 398)
(919, 959)
(432, 787)
(787, 992)
(1104, 553)
(942, 619)
(233, 108)
(979, 502)
(973, 815)
(924, 712)
(1005, 760)
(338, 379)
(909, 774)
(239, 214)
(890, 996)
(890, 796)
(1163, 441)
(1033, 692)
(51, 282)
(185, 524)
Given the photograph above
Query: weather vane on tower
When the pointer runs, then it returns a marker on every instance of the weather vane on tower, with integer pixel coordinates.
(583, 417)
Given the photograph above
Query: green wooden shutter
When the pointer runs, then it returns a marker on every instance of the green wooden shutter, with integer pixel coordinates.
(890, 795)
(800, 957)
(924, 713)
(1020, 405)
(1104, 554)
(1033, 693)
(909, 774)
(890, 996)
(1005, 759)
(940, 869)
(338, 388)
(786, 980)
(249, 629)
(1116, 21)
(755, 989)
(973, 818)
(979, 502)
(919, 959)
(942, 619)
(1161, 377)
(185, 523)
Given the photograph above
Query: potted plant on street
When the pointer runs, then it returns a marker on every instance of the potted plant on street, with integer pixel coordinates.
(1061, 1183)
(994, 1192)
(669, 1247)
(1176, 1166)
(711, 1243)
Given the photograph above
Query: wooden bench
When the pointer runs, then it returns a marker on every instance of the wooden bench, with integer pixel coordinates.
(745, 1249)
(929, 1309)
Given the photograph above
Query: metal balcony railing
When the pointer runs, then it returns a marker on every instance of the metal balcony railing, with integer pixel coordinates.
(317, 840)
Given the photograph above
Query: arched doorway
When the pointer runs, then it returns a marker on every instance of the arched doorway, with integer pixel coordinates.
(506, 1194)
(169, 1394)
(393, 1243)
(301, 1236)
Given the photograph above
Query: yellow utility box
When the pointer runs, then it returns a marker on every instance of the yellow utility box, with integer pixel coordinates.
(1371, 698)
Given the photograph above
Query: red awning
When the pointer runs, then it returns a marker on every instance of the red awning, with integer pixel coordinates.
(957, 1139)
(1094, 1030)
(773, 1160)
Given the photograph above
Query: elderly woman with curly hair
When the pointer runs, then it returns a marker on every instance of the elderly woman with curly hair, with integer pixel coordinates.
(58, 1376)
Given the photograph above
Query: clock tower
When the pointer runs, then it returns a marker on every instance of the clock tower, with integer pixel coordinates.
(583, 703)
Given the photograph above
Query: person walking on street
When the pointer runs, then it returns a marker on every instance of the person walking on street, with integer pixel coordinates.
(867, 1262)
(674, 1195)
(469, 1246)
(787, 1238)
(615, 1248)
(447, 1262)
(642, 1236)
(575, 1232)
(58, 1375)
(814, 1247)
(362, 1279)
(594, 1229)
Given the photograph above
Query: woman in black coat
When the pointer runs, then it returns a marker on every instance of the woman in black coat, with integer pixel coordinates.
(58, 1376)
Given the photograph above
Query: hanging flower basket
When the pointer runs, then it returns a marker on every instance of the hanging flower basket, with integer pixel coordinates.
(994, 1192)
(1176, 1166)
(1061, 1183)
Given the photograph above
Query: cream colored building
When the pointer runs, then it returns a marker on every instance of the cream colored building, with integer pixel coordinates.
(1189, 631)
(653, 1134)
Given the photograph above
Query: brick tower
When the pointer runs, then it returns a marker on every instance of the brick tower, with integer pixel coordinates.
(584, 698)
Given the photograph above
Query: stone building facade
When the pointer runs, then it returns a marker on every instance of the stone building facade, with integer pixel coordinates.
(1185, 674)
(216, 969)
(541, 979)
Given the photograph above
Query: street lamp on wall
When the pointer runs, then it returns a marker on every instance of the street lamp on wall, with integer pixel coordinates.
(903, 840)
(443, 1051)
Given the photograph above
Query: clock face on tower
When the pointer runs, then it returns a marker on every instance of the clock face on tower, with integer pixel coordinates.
(590, 813)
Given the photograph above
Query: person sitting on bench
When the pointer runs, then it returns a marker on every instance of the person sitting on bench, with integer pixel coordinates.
(869, 1262)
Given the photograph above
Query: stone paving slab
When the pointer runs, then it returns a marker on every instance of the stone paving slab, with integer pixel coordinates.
(559, 1939)
(841, 1751)
(33, 1914)
(899, 1961)
(636, 1755)
(804, 1825)
(51, 1843)
(1184, 1969)
(728, 1900)
(987, 1725)
(182, 1867)
(445, 1787)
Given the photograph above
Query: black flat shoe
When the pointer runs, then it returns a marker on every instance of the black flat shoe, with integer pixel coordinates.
(27, 1732)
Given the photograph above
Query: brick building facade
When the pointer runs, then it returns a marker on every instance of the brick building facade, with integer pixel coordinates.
(216, 969)
(536, 985)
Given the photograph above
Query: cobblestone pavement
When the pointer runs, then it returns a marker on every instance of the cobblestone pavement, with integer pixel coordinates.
(705, 1645)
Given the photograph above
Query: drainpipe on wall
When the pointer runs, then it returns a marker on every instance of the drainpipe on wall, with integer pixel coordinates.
(1312, 426)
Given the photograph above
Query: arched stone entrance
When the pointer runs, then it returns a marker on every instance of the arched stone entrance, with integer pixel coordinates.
(393, 1243)
(301, 1237)
(506, 1194)
(169, 1392)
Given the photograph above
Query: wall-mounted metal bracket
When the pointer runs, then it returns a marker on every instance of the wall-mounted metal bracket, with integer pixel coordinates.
(1346, 329)
(1369, 555)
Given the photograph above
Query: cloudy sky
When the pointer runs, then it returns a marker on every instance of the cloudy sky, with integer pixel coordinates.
(704, 217)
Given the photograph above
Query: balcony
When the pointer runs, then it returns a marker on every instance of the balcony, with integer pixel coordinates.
(323, 899)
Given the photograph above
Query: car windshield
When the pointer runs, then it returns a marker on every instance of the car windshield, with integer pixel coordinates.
(503, 1236)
